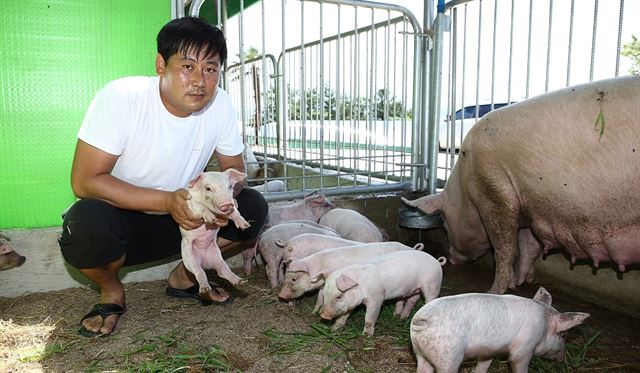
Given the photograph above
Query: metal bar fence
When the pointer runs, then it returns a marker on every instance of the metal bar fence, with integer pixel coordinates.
(345, 114)
(337, 113)
(522, 48)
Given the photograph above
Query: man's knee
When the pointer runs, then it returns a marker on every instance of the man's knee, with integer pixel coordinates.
(92, 234)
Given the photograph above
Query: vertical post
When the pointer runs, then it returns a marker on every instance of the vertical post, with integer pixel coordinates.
(435, 86)
(418, 124)
(256, 98)
(177, 9)
(243, 88)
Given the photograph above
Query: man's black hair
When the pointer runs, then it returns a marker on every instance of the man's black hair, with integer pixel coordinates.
(191, 33)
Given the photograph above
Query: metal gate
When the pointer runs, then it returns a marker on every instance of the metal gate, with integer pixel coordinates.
(503, 51)
(365, 101)
(338, 108)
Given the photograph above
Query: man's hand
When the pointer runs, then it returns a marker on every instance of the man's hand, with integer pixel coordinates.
(177, 206)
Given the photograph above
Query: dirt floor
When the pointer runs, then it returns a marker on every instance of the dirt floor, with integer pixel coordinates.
(259, 333)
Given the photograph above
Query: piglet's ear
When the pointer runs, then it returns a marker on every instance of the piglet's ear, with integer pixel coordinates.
(298, 266)
(345, 283)
(196, 180)
(568, 320)
(316, 200)
(319, 277)
(235, 176)
(543, 296)
(312, 194)
(5, 248)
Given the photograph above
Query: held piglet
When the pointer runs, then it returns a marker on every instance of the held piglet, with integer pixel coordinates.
(212, 198)
(450, 329)
(308, 273)
(352, 225)
(272, 253)
(8, 257)
(402, 275)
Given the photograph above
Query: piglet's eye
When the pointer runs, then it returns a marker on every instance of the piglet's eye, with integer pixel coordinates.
(208, 188)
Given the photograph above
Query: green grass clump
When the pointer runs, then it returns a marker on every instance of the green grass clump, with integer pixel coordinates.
(320, 335)
(167, 353)
(575, 356)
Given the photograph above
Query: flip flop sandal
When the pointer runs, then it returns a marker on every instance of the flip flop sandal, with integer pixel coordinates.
(103, 310)
(194, 293)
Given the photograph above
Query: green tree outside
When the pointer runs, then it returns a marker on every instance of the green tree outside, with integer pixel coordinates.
(632, 51)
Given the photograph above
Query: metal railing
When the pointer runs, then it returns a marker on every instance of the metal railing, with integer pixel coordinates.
(340, 113)
(504, 51)
(372, 103)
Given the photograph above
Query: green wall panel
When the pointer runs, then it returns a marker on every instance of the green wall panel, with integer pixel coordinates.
(208, 9)
(55, 55)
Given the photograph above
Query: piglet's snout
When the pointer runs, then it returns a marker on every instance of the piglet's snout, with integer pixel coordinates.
(226, 207)
(327, 312)
(556, 355)
(11, 260)
(285, 293)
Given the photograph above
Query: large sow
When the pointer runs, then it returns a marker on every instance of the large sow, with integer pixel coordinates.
(560, 170)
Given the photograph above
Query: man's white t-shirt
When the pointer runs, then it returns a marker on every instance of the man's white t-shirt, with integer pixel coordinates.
(157, 149)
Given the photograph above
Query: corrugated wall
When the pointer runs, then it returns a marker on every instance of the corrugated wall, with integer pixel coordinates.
(54, 56)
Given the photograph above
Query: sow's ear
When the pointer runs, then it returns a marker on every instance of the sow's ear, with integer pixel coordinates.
(429, 204)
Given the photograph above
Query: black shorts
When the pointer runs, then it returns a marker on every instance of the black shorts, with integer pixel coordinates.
(96, 233)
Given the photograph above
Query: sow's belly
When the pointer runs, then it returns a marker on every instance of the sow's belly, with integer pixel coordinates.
(599, 241)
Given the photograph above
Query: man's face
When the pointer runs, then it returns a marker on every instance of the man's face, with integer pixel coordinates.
(188, 82)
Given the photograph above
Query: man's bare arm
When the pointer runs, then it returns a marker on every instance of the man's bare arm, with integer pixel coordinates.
(91, 178)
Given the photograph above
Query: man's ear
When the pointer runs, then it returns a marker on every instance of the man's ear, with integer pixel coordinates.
(160, 64)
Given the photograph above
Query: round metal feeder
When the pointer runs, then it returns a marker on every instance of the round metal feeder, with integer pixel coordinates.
(413, 218)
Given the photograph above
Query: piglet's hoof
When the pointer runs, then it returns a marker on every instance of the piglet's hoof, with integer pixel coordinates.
(242, 224)
(205, 290)
(242, 281)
